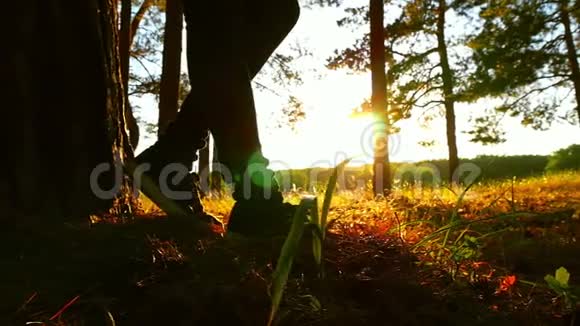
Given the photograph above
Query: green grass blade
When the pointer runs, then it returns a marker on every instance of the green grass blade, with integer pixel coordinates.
(436, 233)
(286, 258)
(406, 224)
(317, 244)
(329, 192)
(461, 235)
(317, 232)
(455, 213)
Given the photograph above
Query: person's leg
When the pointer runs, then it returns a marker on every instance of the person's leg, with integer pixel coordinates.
(221, 94)
(221, 68)
(224, 54)
(265, 25)
(221, 44)
(269, 22)
(259, 209)
(212, 51)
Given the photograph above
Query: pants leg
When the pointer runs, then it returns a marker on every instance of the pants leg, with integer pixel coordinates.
(228, 42)
(268, 24)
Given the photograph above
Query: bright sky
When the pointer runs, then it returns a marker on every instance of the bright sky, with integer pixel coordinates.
(328, 134)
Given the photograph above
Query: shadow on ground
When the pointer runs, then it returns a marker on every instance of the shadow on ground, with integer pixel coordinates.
(152, 273)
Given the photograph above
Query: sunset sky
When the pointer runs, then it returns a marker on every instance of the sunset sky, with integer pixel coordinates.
(329, 133)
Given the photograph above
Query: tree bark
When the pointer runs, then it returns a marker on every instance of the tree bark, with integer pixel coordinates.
(204, 171)
(125, 39)
(571, 52)
(124, 44)
(170, 81)
(66, 108)
(382, 174)
(449, 100)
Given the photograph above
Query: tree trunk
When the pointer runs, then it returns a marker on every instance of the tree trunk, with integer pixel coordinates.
(125, 39)
(124, 45)
(382, 174)
(66, 109)
(571, 52)
(204, 167)
(449, 100)
(170, 81)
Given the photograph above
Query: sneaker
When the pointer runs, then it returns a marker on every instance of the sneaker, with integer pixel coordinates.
(259, 210)
(261, 218)
(191, 205)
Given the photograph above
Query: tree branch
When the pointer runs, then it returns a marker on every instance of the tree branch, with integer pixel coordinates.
(138, 18)
(535, 90)
(436, 102)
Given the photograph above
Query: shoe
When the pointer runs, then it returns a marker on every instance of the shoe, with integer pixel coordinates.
(258, 214)
(158, 159)
(261, 218)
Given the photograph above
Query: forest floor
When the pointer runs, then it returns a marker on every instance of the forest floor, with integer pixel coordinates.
(418, 257)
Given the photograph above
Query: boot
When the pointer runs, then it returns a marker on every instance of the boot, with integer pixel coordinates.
(260, 211)
(163, 153)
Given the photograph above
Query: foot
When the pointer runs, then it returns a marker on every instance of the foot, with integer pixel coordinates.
(259, 210)
(188, 186)
(261, 218)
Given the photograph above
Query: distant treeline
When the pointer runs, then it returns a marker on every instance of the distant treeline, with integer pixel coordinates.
(485, 167)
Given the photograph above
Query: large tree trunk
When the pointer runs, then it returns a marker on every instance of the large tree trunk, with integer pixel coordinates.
(125, 41)
(64, 95)
(170, 76)
(382, 174)
(571, 52)
(449, 100)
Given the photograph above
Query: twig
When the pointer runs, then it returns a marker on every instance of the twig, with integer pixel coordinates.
(399, 229)
(65, 307)
(27, 302)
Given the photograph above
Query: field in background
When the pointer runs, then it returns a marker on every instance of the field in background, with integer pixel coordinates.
(490, 168)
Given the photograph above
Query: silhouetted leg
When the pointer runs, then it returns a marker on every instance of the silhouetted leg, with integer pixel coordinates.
(268, 24)
(227, 45)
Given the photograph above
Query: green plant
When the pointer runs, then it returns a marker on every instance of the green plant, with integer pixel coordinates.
(464, 248)
(318, 223)
(560, 284)
(287, 254)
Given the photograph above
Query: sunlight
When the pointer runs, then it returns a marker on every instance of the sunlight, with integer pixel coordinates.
(331, 132)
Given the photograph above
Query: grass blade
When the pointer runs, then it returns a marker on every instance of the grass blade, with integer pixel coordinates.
(459, 202)
(317, 245)
(317, 233)
(287, 254)
(328, 194)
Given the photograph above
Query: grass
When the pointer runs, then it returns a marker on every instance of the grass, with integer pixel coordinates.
(417, 257)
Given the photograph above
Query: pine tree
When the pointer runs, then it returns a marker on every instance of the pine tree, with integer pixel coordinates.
(68, 116)
(370, 54)
(526, 54)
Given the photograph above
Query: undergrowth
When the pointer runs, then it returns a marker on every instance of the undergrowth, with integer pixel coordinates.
(499, 253)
